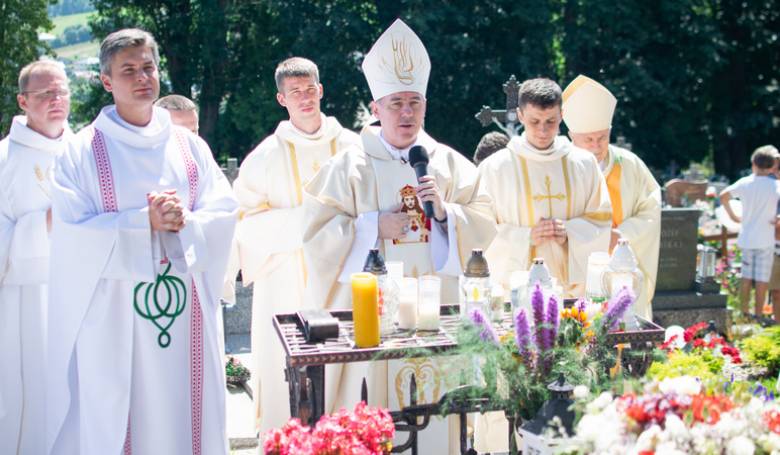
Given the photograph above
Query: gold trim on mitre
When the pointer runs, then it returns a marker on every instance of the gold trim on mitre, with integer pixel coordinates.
(397, 62)
(587, 106)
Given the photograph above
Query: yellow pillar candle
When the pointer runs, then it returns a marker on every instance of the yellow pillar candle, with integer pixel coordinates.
(365, 309)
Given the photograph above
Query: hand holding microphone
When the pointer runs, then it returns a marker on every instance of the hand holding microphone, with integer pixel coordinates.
(427, 190)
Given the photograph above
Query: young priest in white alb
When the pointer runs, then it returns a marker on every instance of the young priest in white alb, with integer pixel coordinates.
(26, 161)
(269, 234)
(143, 223)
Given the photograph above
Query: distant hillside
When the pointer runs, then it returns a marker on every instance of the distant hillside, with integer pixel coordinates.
(71, 29)
(66, 7)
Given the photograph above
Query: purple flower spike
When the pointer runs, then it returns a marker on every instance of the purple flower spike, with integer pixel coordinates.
(552, 322)
(537, 307)
(523, 336)
(486, 331)
(618, 306)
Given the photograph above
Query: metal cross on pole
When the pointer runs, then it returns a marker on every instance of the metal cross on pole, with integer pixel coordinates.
(505, 119)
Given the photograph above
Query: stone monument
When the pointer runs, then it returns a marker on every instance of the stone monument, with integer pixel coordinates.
(680, 298)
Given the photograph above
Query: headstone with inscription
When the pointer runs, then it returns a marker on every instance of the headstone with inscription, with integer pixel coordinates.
(676, 300)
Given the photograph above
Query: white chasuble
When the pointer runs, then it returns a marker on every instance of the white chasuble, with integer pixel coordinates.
(343, 204)
(136, 354)
(636, 213)
(269, 235)
(26, 165)
(528, 185)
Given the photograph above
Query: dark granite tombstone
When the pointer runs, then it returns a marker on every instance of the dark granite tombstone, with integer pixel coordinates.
(676, 300)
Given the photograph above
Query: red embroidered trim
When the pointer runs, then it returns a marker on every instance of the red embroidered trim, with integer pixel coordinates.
(105, 176)
(128, 449)
(196, 321)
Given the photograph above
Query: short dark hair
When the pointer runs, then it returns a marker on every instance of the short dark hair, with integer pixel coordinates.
(490, 144)
(121, 39)
(296, 67)
(541, 92)
(764, 157)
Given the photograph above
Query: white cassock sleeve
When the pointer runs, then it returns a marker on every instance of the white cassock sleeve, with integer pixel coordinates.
(445, 259)
(257, 232)
(7, 225)
(366, 235)
(126, 234)
(196, 247)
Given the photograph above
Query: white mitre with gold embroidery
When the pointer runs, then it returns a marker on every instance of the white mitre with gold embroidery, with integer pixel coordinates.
(587, 106)
(398, 62)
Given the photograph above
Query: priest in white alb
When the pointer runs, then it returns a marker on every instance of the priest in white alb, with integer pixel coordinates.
(372, 199)
(549, 197)
(588, 108)
(27, 157)
(269, 234)
(143, 219)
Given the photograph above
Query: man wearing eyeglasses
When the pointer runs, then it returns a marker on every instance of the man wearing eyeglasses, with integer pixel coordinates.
(26, 162)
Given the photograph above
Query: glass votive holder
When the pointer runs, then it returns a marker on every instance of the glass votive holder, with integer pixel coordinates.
(429, 303)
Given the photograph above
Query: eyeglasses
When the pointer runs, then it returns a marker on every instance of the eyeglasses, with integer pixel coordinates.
(47, 95)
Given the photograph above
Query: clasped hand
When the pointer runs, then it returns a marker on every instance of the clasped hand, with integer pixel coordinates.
(548, 229)
(166, 212)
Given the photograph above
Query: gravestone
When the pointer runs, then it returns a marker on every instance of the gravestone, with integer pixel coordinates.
(677, 300)
(677, 192)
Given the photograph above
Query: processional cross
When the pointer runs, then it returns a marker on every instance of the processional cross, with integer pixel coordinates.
(549, 196)
(505, 119)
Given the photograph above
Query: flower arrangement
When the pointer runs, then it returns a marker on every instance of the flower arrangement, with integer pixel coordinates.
(676, 416)
(235, 371)
(700, 353)
(514, 369)
(363, 431)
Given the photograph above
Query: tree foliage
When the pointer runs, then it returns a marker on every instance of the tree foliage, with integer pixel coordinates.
(695, 79)
(20, 22)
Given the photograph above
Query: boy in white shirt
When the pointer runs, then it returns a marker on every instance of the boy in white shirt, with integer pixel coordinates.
(759, 195)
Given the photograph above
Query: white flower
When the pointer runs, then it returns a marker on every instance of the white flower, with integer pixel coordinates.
(595, 406)
(740, 446)
(683, 385)
(770, 442)
(675, 428)
(648, 439)
(580, 392)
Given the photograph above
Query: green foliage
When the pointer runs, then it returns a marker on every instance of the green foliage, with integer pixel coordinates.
(20, 22)
(699, 363)
(68, 7)
(695, 80)
(764, 349)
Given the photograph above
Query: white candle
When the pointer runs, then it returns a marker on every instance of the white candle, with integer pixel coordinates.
(407, 309)
(429, 303)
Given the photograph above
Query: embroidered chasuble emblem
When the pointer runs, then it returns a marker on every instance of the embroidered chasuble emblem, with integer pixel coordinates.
(419, 226)
(43, 179)
(161, 302)
(549, 196)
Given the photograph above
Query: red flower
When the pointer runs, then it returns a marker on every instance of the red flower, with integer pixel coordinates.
(694, 330)
(772, 420)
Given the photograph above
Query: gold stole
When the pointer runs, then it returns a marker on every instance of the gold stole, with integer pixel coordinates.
(298, 192)
(613, 185)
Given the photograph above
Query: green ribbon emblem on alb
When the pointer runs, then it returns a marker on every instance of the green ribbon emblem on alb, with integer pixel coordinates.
(161, 302)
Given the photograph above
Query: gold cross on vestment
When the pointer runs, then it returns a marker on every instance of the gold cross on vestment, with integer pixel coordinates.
(315, 167)
(549, 196)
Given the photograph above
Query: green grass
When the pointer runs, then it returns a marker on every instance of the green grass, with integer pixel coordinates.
(80, 50)
(62, 22)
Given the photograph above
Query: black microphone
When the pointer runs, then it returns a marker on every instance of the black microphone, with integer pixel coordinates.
(418, 159)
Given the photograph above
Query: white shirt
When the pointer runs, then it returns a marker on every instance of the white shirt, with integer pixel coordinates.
(759, 196)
